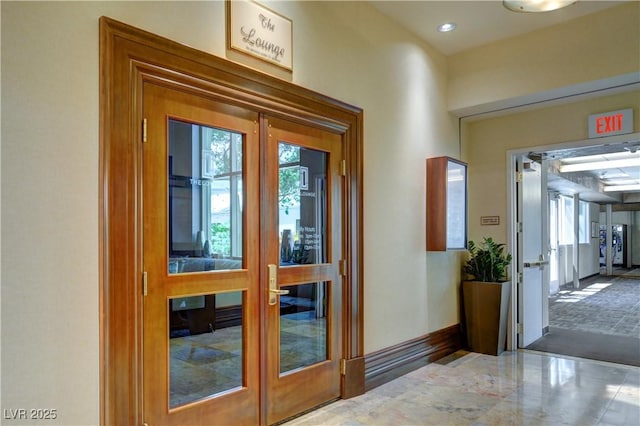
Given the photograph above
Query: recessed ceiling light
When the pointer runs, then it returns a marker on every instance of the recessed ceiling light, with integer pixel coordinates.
(536, 5)
(445, 28)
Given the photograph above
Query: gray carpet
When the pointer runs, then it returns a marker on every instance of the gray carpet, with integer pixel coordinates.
(585, 344)
(600, 320)
(607, 305)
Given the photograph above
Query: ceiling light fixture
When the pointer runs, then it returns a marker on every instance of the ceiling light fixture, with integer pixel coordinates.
(598, 165)
(618, 188)
(620, 181)
(448, 27)
(536, 5)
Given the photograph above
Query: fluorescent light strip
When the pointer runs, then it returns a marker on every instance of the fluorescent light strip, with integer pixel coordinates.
(617, 188)
(597, 165)
(619, 181)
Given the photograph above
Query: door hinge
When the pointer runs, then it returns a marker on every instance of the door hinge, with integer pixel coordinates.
(520, 328)
(342, 267)
(343, 367)
(144, 283)
(144, 130)
(343, 167)
(518, 176)
(519, 226)
(520, 277)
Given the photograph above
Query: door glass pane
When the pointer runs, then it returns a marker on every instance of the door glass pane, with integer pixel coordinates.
(205, 346)
(206, 196)
(303, 325)
(302, 205)
(456, 205)
(553, 245)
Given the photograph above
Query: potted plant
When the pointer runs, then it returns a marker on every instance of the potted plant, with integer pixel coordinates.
(486, 296)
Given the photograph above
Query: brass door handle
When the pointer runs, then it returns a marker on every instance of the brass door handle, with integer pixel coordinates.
(274, 291)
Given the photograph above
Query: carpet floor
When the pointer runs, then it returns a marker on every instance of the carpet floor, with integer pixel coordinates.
(600, 320)
(608, 305)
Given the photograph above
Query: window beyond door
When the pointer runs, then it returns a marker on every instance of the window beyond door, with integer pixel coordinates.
(205, 198)
(566, 218)
(302, 201)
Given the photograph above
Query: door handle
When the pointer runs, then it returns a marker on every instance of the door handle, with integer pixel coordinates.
(274, 291)
(540, 263)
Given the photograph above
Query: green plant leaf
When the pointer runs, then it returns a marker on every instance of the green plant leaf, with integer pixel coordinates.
(487, 261)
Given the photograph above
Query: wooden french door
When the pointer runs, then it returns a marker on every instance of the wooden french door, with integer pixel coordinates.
(241, 246)
(201, 325)
(302, 252)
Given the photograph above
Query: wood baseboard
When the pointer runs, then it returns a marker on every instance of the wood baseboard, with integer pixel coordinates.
(390, 363)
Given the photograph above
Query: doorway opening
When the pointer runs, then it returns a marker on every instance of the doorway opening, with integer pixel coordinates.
(206, 290)
(573, 250)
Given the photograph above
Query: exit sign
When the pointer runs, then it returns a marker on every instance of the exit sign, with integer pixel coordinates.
(611, 123)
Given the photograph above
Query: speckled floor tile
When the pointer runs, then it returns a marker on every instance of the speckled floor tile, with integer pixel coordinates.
(515, 388)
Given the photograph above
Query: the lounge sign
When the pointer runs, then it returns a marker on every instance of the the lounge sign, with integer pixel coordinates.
(611, 123)
(260, 32)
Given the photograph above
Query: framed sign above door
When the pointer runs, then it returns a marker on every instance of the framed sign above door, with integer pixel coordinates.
(257, 31)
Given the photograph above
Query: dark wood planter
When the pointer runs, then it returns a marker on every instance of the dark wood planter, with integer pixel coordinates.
(486, 306)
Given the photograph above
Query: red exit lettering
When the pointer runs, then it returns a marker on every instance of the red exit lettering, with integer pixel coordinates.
(608, 124)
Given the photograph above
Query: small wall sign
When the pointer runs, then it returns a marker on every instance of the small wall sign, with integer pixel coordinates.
(254, 30)
(489, 220)
(611, 123)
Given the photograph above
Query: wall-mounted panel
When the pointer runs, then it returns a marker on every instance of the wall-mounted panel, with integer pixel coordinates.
(446, 204)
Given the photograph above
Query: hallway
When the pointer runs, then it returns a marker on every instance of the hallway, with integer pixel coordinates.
(600, 320)
(607, 305)
(516, 388)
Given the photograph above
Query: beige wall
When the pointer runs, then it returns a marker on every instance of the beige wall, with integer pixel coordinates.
(345, 50)
(50, 113)
(591, 48)
(486, 143)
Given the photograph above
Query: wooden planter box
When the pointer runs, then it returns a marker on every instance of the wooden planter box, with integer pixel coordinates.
(486, 306)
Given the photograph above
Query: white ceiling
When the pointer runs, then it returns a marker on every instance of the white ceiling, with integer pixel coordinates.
(479, 22)
(590, 183)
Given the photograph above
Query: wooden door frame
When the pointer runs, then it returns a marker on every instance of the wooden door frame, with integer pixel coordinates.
(128, 56)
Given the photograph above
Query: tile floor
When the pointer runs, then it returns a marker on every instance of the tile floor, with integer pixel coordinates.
(515, 388)
(205, 364)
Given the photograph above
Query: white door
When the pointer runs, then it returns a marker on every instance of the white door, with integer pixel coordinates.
(554, 276)
(531, 295)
